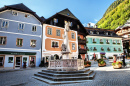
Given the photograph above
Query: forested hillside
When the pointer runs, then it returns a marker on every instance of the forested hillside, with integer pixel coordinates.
(116, 15)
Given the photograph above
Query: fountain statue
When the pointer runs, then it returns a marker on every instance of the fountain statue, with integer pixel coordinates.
(66, 63)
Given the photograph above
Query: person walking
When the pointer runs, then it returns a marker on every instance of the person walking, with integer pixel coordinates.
(123, 57)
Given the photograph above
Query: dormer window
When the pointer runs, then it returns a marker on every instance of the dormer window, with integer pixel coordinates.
(106, 33)
(68, 14)
(97, 32)
(91, 32)
(78, 26)
(27, 15)
(55, 20)
(70, 24)
(14, 13)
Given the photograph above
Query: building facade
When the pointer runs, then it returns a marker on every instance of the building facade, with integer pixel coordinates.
(103, 43)
(53, 35)
(124, 32)
(20, 37)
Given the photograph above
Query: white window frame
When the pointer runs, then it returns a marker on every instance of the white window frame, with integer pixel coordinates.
(54, 41)
(118, 41)
(34, 28)
(72, 35)
(93, 40)
(4, 24)
(19, 26)
(106, 40)
(33, 42)
(59, 32)
(73, 46)
(14, 12)
(48, 32)
(101, 39)
(3, 40)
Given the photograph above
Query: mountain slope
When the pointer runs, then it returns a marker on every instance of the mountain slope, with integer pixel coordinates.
(116, 15)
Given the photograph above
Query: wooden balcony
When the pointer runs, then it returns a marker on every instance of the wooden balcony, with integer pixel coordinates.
(82, 41)
(82, 51)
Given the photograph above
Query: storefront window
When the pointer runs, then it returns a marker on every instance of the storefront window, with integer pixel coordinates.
(32, 61)
(24, 59)
(10, 60)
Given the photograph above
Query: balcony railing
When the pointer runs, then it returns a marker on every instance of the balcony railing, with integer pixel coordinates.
(82, 51)
(82, 41)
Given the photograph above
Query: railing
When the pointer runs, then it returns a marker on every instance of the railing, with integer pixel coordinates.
(66, 64)
(82, 51)
(82, 41)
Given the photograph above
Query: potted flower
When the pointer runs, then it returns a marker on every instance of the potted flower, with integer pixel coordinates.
(117, 65)
(101, 63)
(87, 64)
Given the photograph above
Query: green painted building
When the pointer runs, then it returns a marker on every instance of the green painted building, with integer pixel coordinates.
(103, 43)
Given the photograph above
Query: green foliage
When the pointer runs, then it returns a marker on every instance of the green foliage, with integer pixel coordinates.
(116, 15)
(87, 62)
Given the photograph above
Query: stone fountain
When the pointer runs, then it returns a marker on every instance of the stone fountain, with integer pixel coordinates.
(66, 63)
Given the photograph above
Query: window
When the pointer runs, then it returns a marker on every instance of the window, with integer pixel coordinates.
(27, 15)
(94, 40)
(115, 49)
(94, 49)
(97, 32)
(114, 41)
(55, 44)
(72, 35)
(57, 32)
(70, 24)
(73, 46)
(5, 24)
(55, 20)
(107, 41)
(32, 61)
(78, 26)
(101, 40)
(21, 26)
(33, 43)
(119, 49)
(106, 33)
(24, 59)
(34, 28)
(102, 49)
(14, 13)
(2, 40)
(91, 32)
(19, 42)
(10, 60)
(108, 49)
(118, 41)
(49, 31)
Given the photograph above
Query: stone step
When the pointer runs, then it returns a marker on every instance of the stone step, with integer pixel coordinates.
(90, 77)
(66, 72)
(58, 82)
(66, 75)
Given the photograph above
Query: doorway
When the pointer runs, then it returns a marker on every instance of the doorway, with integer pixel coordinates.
(17, 62)
(1, 61)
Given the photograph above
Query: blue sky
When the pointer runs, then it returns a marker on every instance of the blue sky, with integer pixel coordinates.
(87, 11)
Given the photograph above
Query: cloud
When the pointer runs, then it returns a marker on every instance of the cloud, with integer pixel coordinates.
(91, 24)
(95, 20)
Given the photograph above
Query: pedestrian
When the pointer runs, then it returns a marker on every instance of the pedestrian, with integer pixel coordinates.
(114, 58)
(123, 59)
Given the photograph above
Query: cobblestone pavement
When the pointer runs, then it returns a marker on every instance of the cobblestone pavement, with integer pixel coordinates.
(105, 76)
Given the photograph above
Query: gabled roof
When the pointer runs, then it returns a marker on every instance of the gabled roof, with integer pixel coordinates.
(66, 12)
(20, 7)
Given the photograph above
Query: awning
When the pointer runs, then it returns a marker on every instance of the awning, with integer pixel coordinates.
(102, 53)
(17, 53)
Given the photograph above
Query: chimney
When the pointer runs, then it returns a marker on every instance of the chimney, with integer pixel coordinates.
(95, 26)
(88, 25)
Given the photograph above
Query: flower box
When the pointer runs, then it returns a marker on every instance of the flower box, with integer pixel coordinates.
(87, 65)
(101, 65)
(117, 65)
(118, 43)
(94, 42)
(101, 42)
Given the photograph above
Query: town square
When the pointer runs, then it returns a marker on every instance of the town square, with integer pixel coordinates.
(65, 43)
